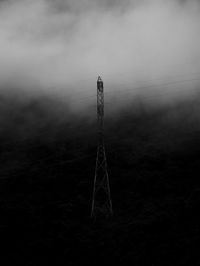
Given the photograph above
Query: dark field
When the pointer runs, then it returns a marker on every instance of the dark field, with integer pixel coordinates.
(47, 172)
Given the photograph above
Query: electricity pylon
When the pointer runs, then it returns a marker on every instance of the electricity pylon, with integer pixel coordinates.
(101, 201)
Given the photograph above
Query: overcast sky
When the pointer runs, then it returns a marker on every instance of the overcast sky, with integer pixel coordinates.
(63, 45)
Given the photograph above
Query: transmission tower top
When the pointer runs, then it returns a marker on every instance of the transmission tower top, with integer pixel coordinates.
(99, 79)
(100, 86)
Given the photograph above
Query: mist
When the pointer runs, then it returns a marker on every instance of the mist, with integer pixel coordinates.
(138, 47)
(148, 55)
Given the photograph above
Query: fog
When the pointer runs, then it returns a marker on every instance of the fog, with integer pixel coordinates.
(144, 48)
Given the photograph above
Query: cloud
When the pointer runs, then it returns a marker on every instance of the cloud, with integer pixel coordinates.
(61, 46)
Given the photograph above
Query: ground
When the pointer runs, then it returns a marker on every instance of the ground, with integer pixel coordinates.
(46, 190)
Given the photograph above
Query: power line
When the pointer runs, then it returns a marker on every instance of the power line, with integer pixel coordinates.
(115, 75)
(125, 89)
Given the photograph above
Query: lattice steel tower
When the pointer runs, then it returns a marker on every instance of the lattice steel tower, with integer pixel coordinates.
(101, 201)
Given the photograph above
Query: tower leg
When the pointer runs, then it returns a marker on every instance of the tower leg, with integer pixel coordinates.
(101, 201)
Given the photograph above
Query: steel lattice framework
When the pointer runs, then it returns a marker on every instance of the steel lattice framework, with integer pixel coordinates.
(101, 201)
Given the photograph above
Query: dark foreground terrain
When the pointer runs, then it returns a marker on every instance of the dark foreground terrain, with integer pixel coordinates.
(47, 171)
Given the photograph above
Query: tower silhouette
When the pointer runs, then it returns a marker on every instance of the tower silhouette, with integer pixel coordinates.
(101, 201)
